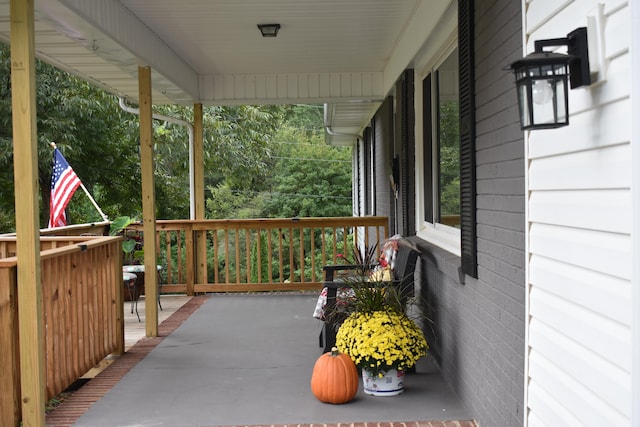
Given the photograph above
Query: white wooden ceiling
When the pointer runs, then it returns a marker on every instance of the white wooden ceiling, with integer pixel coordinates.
(346, 53)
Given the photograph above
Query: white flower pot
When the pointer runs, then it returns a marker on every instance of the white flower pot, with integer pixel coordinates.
(390, 384)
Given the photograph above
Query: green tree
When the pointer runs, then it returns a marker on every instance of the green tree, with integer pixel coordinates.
(449, 159)
(259, 160)
(101, 143)
(90, 130)
(285, 170)
(311, 178)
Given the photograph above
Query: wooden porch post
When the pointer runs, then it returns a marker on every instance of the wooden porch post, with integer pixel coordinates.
(198, 161)
(148, 202)
(198, 176)
(25, 165)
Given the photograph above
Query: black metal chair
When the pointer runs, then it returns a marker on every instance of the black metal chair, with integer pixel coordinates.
(402, 278)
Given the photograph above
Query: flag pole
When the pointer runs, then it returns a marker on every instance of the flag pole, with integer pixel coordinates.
(95, 205)
(104, 217)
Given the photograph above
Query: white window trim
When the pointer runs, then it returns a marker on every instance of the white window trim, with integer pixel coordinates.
(443, 236)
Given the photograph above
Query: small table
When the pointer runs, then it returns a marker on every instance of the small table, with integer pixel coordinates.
(130, 280)
(138, 270)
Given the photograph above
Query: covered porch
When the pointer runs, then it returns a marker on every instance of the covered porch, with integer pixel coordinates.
(326, 59)
(231, 350)
(252, 368)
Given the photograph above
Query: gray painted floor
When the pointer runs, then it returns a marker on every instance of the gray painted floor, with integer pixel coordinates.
(247, 360)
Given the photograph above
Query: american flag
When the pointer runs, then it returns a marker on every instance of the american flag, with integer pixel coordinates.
(64, 182)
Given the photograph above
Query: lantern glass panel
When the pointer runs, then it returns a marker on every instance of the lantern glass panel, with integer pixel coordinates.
(524, 102)
(549, 102)
(542, 96)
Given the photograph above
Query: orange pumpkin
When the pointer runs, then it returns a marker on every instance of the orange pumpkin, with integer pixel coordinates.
(335, 378)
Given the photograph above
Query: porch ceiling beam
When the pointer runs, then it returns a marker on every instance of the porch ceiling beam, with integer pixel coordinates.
(311, 88)
(112, 31)
(425, 20)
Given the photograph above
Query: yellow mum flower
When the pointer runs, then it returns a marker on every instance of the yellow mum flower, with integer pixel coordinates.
(380, 340)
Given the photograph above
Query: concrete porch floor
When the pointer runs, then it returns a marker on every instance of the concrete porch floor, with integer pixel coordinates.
(239, 360)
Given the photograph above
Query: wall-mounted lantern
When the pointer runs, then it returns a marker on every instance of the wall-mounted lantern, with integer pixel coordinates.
(541, 80)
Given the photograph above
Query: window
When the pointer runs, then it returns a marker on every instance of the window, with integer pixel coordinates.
(441, 150)
(448, 143)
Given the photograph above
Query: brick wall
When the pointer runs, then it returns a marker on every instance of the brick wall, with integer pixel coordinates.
(383, 151)
(479, 327)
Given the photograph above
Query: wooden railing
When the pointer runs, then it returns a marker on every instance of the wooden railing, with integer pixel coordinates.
(82, 281)
(83, 309)
(256, 254)
(451, 220)
(8, 245)
(89, 229)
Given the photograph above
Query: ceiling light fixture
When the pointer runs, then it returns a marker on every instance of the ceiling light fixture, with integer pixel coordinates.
(269, 30)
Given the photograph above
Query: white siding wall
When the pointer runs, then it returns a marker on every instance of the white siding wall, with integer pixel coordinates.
(579, 235)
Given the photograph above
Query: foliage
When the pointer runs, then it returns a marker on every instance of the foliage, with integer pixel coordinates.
(258, 159)
(260, 270)
(224, 202)
(369, 284)
(273, 180)
(381, 340)
(132, 246)
(237, 145)
(90, 130)
(449, 159)
(364, 258)
(312, 179)
(376, 295)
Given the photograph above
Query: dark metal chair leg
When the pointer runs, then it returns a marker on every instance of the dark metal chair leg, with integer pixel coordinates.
(159, 288)
(132, 286)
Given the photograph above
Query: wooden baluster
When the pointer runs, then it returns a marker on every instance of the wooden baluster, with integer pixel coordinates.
(335, 245)
(301, 255)
(259, 253)
(216, 278)
(247, 251)
(54, 330)
(345, 242)
(312, 253)
(237, 243)
(226, 256)
(366, 237)
(292, 263)
(355, 236)
(324, 246)
(280, 255)
(270, 257)
(167, 255)
(179, 263)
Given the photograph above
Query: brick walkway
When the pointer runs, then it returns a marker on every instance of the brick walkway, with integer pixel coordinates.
(81, 400)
